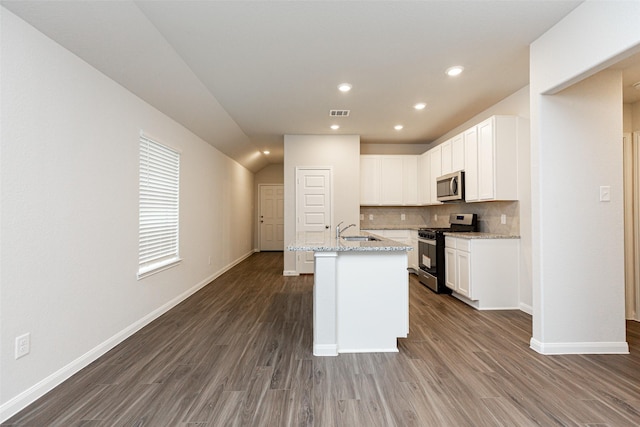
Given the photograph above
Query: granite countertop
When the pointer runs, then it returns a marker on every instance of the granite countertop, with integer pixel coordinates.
(393, 227)
(478, 235)
(328, 243)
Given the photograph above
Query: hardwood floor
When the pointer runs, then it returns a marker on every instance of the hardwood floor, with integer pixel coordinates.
(239, 353)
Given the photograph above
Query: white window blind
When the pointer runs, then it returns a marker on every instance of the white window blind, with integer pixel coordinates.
(158, 204)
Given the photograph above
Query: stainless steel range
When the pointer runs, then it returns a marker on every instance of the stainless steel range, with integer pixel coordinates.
(431, 250)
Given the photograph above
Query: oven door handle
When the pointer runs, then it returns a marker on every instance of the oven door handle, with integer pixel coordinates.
(427, 241)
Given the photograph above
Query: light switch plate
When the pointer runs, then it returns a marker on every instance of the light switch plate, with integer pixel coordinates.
(503, 219)
(605, 193)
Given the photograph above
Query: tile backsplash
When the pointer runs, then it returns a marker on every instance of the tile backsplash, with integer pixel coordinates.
(489, 216)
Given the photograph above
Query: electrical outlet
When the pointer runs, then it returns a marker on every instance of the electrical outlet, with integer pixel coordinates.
(402, 217)
(209, 259)
(370, 217)
(435, 217)
(23, 345)
(503, 219)
(361, 217)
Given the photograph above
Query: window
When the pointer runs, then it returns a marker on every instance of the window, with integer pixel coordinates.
(158, 207)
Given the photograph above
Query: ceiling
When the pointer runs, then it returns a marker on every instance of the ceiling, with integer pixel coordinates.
(242, 74)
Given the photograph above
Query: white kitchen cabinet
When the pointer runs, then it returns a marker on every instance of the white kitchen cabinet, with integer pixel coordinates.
(452, 154)
(457, 153)
(410, 180)
(370, 180)
(435, 171)
(483, 272)
(471, 164)
(497, 159)
(388, 180)
(391, 180)
(446, 153)
(424, 179)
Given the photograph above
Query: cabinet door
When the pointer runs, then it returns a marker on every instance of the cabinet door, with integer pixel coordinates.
(410, 180)
(450, 268)
(457, 153)
(463, 273)
(435, 156)
(369, 180)
(486, 173)
(424, 179)
(413, 255)
(447, 157)
(391, 181)
(471, 164)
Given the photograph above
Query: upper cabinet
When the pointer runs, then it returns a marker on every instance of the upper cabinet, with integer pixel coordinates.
(491, 160)
(453, 154)
(388, 180)
(424, 178)
(487, 152)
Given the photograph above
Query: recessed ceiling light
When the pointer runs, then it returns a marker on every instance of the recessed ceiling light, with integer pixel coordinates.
(266, 152)
(398, 127)
(454, 71)
(335, 127)
(344, 87)
(420, 106)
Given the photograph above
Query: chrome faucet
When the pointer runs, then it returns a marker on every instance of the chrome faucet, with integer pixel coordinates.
(338, 231)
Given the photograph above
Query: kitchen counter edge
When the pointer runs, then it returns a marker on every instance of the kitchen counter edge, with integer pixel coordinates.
(479, 235)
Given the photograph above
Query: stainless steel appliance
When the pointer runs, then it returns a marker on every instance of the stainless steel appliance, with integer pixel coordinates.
(450, 187)
(431, 250)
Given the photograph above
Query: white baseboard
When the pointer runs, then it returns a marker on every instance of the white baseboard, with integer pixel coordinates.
(33, 393)
(579, 347)
(290, 273)
(325, 350)
(526, 308)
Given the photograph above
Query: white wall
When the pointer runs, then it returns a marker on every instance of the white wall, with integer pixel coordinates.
(69, 183)
(342, 153)
(578, 281)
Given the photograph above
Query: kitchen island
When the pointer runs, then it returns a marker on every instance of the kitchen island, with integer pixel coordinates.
(360, 294)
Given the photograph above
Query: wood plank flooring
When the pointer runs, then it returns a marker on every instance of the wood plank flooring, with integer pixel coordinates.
(238, 353)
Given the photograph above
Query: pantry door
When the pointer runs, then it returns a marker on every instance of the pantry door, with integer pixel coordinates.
(313, 211)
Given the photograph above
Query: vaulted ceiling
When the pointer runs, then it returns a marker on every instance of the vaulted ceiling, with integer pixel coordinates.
(241, 74)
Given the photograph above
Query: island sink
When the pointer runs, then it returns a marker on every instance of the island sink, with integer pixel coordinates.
(360, 239)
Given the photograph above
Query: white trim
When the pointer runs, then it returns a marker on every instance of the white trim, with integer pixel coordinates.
(290, 273)
(526, 308)
(579, 347)
(325, 350)
(369, 350)
(22, 400)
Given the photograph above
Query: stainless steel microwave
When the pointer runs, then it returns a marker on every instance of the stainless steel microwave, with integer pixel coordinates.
(451, 187)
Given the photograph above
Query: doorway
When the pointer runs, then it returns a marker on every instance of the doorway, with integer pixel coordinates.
(271, 213)
(631, 146)
(313, 211)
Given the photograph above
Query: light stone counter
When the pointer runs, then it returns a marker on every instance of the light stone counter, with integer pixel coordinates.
(328, 243)
(478, 235)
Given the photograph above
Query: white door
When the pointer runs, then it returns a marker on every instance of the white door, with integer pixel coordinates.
(313, 211)
(272, 217)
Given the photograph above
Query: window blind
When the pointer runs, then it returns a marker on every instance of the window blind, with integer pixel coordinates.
(158, 207)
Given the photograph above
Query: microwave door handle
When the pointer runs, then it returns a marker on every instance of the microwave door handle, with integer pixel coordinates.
(453, 186)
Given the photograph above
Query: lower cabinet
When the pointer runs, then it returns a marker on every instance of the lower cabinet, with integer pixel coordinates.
(408, 237)
(483, 272)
